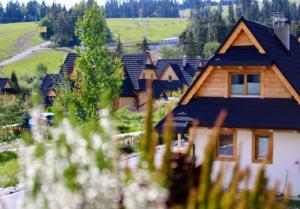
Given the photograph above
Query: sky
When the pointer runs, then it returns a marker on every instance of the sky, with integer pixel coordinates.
(68, 3)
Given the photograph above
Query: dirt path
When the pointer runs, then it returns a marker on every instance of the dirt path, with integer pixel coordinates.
(24, 42)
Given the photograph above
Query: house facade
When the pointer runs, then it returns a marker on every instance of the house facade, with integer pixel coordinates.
(167, 76)
(6, 89)
(53, 82)
(254, 76)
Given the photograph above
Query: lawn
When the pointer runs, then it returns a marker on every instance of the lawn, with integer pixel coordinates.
(8, 169)
(131, 30)
(26, 68)
(16, 36)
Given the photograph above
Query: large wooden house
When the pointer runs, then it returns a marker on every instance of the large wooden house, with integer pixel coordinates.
(255, 76)
(53, 82)
(167, 76)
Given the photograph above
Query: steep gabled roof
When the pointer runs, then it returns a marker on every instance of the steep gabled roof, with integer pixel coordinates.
(287, 61)
(247, 112)
(68, 64)
(52, 81)
(3, 82)
(133, 66)
(185, 74)
(254, 113)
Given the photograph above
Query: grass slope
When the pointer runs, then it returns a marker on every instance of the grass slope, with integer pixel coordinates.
(26, 68)
(131, 30)
(8, 169)
(16, 36)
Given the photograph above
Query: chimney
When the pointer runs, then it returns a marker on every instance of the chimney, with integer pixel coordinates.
(282, 29)
(184, 61)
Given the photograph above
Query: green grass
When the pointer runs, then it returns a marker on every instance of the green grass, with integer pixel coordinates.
(131, 30)
(11, 33)
(26, 68)
(8, 169)
(294, 203)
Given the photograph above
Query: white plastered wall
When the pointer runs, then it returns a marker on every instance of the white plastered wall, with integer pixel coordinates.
(284, 169)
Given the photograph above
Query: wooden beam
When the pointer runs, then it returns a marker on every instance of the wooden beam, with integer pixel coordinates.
(241, 27)
(286, 83)
(198, 83)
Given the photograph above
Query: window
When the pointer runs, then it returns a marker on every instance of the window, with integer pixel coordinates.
(226, 146)
(170, 78)
(262, 147)
(245, 84)
(151, 76)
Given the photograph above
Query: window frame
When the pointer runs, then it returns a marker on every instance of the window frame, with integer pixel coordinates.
(234, 137)
(269, 158)
(170, 78)
(245, 74)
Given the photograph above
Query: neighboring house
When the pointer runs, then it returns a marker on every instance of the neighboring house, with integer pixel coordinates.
(53, 82)
(186, 13)
(255, 76)
(166, 76)
(6, 89)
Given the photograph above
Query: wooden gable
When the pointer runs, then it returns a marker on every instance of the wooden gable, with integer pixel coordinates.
(169, 71)
(51, 93)
(73, 74)
(8, 85)
(241, 36)
(148, 73)
(215, 83)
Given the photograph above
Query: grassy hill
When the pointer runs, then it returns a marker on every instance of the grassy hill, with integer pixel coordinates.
(17, 37)
(131, 30)
(25, 68)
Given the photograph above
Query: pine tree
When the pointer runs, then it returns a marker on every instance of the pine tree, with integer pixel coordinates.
(15, 82)
(231, 16)
(119, 48)
(145, 45)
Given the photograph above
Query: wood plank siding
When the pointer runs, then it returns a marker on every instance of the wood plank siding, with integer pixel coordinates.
(217, 84)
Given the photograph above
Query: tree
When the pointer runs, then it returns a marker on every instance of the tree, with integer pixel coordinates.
(101, 74)
(15, 82)
(170, 53)
(231, 16)
(145, 45)
(210, 48)
(119, 48)
(41, 72)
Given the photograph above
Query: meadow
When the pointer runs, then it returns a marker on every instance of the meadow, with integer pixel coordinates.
(26, 68)
(17, 37)
(131, 30)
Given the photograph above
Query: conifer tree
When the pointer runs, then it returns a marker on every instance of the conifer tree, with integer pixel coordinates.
(231, 16)
(145, 45)
(15, 82)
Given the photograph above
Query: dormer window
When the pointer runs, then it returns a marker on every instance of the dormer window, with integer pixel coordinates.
(245, 84)
(170, 78)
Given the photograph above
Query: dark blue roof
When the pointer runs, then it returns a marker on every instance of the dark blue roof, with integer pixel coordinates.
(254, 113)
(134, 64)
(185, 74)
(68, 64)
(241, 56)
(52, 81)
(3, 82)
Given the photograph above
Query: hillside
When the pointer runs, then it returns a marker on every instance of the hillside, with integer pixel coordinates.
(131, 30)
(17, 37)
(26, 68)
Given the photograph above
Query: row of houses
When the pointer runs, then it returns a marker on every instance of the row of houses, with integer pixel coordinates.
(167, 76)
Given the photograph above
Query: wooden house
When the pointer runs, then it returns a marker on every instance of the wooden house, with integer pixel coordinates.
(6, 89)
(53, 82)
(255, 77)
(167, 76)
